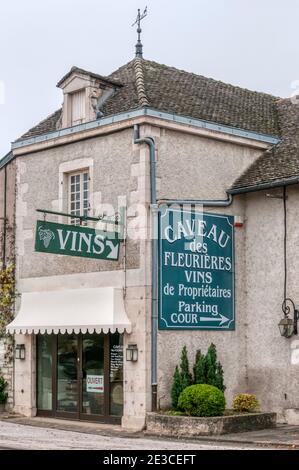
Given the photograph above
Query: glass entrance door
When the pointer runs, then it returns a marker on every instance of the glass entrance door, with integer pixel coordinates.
(80, 376)
(67, 374)
(93, 375)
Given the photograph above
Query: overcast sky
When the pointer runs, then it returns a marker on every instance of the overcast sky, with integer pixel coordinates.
(251, 43)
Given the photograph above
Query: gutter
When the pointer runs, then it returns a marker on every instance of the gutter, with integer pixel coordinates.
(154, 210)
(203, 202)
(149, 112)
(260, 187)
(4, 218)
(6, 159)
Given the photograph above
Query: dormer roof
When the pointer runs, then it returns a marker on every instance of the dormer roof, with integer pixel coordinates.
(77, 70)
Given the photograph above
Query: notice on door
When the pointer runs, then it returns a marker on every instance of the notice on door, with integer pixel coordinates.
(196, 272)
(116, 361)
(95, 383)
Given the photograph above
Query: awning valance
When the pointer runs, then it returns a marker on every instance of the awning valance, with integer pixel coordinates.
(71, 311)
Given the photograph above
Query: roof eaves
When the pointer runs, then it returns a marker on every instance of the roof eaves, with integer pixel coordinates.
(149, 112)
(266, 185)
(6, 160)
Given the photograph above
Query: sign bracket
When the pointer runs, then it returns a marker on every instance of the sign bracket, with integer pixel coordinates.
(80, 217)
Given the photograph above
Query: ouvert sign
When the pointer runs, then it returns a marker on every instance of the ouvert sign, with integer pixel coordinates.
(75, 240)
(196, 275)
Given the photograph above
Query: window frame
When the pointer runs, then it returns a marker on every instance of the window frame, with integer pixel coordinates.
(84, 203)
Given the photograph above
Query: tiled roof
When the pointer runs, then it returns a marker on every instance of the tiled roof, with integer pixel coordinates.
(281, 163)
(175, 91)
(51, 123)
(147, 83)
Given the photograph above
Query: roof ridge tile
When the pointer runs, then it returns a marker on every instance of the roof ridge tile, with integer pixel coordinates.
(140, 83)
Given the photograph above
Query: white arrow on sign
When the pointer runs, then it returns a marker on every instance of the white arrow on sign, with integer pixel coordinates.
(114, 250)
(222, 319)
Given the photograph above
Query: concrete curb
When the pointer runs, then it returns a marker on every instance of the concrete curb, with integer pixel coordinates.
(212, 439)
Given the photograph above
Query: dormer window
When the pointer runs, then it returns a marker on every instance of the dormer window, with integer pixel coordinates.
(84, 94)
(78, 105)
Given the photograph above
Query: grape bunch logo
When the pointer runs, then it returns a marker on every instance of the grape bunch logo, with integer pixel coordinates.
(46, 236)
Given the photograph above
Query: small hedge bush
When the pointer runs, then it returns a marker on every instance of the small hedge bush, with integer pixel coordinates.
(3, 393)
(208, 370)
(245, 402)
(182, 378)
(202, 400)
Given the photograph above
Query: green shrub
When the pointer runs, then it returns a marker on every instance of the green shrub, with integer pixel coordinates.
(3, 393)
(245, 402)
(176, 388)
(202, 400)
(186, 376)
(182, 378)
(199, 372)
(207, 370)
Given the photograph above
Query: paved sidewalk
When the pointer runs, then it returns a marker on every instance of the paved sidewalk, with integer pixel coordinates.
(283, 436)
(84, 427)
(15, 436)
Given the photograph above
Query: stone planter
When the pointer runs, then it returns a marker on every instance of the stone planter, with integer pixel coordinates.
(187, 426)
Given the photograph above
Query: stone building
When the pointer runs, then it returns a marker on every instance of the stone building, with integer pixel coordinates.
(7, 231)
(144, 138)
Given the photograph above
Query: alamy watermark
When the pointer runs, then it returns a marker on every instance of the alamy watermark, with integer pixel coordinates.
(138, 222)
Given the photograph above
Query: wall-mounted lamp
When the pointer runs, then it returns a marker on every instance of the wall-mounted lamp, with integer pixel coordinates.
(132, 353)
(20, 352)
(288, 326)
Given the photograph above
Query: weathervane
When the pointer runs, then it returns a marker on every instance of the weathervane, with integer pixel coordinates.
(139, 18)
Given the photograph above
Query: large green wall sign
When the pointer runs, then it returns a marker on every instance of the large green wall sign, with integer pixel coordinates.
(196, 272)
(75, 240)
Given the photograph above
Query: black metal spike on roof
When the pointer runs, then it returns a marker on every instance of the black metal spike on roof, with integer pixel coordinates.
(139, 46)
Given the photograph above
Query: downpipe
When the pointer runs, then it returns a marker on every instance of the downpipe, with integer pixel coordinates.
(4, 218)
(154, 211)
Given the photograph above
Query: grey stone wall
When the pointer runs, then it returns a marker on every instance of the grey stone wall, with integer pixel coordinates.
(6, 363)
(192, 167)
(195, 167)
(255, 358)
(38, 188)
(272, 361)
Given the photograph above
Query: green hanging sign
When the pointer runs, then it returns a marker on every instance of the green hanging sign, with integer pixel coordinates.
(73, 240)
(196, 272)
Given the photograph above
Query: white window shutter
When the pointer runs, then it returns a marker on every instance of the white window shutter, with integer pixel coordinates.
(78, 107)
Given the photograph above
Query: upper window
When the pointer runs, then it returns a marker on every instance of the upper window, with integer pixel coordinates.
(78, 194)
(78, 107)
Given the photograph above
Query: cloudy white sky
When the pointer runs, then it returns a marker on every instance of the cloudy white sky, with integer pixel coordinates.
(251, 43)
